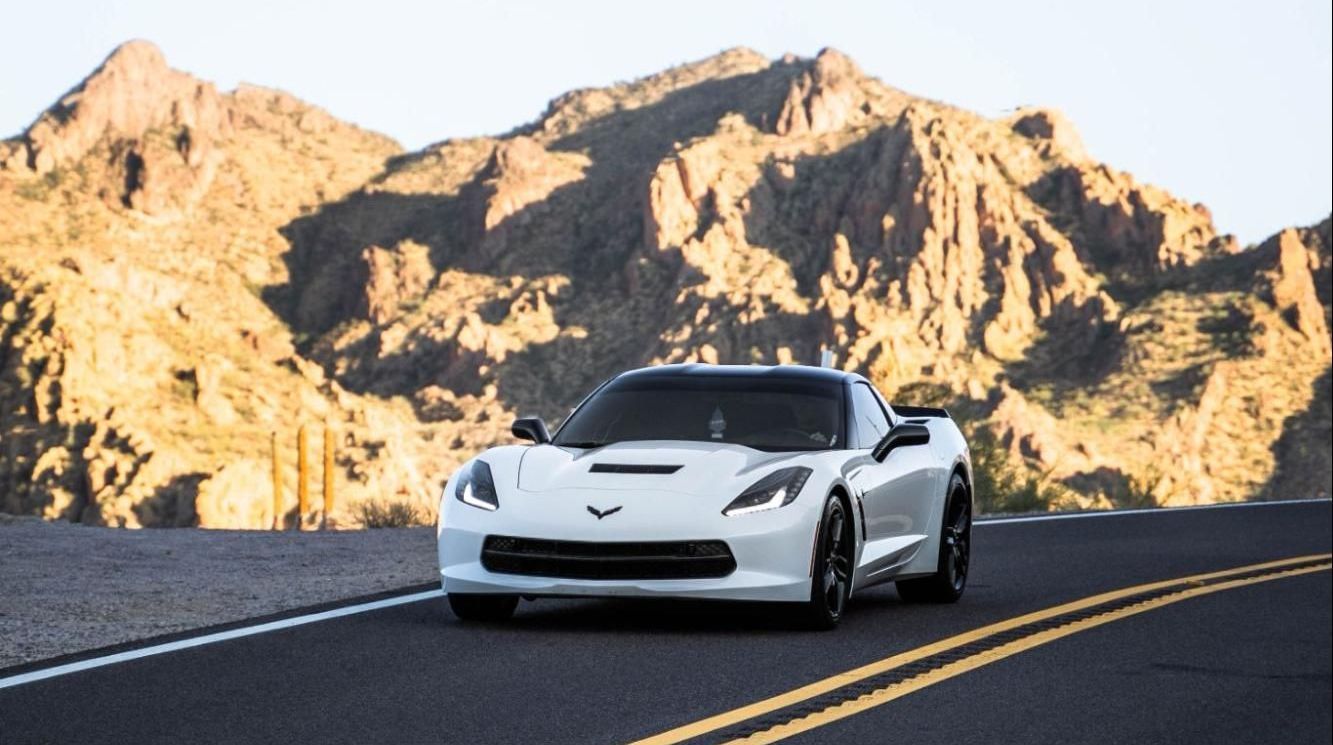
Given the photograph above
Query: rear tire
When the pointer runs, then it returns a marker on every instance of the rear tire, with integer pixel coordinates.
(831, 582)
(946, 585)
(482, 607)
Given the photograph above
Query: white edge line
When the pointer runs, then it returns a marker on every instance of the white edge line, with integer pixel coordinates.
(287, 623)
(1143, 511)
(220, 636)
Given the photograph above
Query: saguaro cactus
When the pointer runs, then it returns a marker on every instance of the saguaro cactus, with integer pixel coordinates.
(303, 478)
(277, 485)
(328, 474)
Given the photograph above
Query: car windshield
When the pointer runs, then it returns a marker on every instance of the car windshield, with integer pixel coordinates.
(763, 413)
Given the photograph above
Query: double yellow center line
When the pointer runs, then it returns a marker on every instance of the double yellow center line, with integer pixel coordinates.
(868, 686)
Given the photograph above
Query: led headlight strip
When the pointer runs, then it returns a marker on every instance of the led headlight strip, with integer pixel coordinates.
(477, 488)
(772, 491)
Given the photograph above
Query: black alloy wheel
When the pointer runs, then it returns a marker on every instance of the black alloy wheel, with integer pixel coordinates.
(831, 581)
(946, 585)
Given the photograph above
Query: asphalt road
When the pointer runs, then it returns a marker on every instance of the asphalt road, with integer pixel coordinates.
(1249, 664)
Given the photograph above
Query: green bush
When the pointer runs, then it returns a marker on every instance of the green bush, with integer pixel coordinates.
(1001, 486)
(1137, 492)
(998, 482)
(37, 190)
(383, 513)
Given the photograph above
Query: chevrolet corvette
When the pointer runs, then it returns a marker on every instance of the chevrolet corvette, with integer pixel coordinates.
(787, 483)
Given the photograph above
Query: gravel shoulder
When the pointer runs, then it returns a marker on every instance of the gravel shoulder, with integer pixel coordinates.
(66, 588)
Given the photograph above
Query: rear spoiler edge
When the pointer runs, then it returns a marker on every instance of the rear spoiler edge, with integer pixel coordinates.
(916, 412)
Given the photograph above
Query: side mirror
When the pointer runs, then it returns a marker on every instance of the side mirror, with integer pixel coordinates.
(531, 428)
(900, 436)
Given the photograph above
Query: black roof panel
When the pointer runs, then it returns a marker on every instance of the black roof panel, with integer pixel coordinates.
(771, 372)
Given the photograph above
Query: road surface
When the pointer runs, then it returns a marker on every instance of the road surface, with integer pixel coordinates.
(1128, 654)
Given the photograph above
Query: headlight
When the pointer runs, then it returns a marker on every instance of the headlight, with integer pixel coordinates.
(774, 490)
(477, 488)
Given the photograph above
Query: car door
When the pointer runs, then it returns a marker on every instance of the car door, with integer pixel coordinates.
(896, 494)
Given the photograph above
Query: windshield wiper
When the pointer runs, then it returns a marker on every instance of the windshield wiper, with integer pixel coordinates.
(585, 445)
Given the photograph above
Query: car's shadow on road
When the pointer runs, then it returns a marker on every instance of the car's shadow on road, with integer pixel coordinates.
(633, 615)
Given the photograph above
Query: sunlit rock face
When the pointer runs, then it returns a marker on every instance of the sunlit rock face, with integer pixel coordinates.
(184, 272)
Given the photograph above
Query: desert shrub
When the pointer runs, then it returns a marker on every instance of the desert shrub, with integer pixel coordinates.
(37, 190)
(385, 513)
(1137, 492)
(185, 385)
(1000, 485)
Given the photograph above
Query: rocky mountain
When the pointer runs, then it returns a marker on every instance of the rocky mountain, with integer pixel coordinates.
(184, 271)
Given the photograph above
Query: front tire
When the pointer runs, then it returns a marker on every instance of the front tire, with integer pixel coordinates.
(482, 607)
(831, 581)
(946, 585)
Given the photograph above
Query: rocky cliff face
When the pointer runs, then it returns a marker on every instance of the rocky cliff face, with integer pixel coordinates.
(184, 271)
(141, 368)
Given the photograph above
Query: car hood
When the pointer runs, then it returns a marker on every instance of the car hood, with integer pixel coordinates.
(704, 467)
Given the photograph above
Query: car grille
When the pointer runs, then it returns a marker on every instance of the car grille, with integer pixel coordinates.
(584, 560)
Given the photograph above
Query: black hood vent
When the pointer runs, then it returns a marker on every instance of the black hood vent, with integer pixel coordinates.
(632, 468)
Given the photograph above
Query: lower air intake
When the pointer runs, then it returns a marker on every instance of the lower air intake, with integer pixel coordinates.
(584, 560)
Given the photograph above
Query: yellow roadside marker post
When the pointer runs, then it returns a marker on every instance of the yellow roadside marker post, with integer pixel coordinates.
(328, 476)
(303, 478)
(277, 485)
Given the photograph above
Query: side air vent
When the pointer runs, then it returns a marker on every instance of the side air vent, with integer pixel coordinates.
(632, 468)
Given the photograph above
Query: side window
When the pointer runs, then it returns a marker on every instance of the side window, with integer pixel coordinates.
(871, 421)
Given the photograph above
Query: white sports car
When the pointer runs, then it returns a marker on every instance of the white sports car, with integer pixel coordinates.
(789, 483)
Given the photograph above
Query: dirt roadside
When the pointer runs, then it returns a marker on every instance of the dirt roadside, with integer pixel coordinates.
(66, 588)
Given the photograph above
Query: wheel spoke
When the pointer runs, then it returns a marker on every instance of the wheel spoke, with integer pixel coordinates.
(833, 592)
(835, 562)
(839, 564)
(956, 537)
(961, 524)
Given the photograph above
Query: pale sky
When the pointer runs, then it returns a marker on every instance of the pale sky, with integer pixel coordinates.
(1226, 103)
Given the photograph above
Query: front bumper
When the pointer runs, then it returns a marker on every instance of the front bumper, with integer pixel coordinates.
(772, 550)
